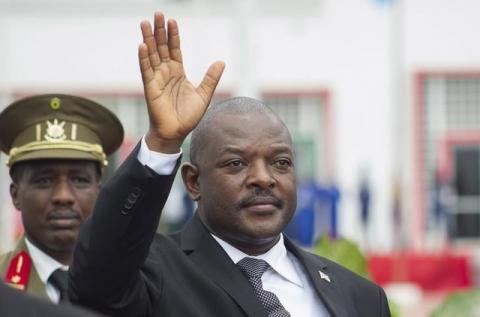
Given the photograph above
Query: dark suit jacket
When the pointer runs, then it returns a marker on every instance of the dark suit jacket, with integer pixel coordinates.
(123, 268)
(16, 304)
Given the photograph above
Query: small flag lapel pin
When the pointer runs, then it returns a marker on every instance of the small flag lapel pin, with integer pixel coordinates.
(324, 276)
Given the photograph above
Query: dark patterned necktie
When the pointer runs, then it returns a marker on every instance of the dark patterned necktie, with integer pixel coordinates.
(59, 279)
(253, 270)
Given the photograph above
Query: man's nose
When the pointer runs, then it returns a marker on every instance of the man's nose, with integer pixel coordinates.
(63, 193)
(260, 175)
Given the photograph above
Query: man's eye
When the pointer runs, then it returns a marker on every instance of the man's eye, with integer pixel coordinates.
(235, 163)
(80, 180)
(43, 180)
(283, 163)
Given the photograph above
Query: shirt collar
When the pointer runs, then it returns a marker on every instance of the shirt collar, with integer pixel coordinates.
(276, 257)
(44, 264)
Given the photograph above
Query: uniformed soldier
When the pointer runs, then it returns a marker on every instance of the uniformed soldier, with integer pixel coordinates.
(57, 147)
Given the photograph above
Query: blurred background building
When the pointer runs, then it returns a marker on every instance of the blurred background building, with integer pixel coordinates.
(382, 98)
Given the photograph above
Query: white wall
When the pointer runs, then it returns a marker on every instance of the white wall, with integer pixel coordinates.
(439, 35)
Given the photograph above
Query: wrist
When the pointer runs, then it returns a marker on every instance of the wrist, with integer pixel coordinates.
(161, 145)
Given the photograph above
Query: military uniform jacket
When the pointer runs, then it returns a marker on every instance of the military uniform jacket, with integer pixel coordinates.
(34, 285)
(122, 267)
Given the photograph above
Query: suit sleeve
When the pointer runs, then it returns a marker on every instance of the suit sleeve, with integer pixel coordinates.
(114, 242)
(385, 309)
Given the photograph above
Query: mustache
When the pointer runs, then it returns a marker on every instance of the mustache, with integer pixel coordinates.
(62, 213)
(260, 196)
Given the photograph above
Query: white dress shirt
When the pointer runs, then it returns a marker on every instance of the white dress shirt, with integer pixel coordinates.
(286, 278)
(45, 265)
(161, 163)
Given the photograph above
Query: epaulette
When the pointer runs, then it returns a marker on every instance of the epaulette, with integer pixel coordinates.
(18, 271)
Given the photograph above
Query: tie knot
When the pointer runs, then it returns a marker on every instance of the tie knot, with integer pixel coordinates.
(253, 268)
(59, 279)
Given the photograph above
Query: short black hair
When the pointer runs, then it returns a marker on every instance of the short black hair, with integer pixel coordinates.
(235, 106)
(19, 168)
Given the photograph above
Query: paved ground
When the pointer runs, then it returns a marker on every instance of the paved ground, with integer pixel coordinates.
(412, 301)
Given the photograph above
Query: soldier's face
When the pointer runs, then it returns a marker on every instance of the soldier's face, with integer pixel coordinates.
(55, 197)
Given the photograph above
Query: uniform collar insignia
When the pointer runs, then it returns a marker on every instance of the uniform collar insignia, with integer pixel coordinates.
(18, 271)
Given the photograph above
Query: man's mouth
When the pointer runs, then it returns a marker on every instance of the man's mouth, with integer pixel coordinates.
(262, 208)
(261, 204)
(64, 219)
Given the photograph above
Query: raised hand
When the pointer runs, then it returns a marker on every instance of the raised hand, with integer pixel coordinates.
(175, 106)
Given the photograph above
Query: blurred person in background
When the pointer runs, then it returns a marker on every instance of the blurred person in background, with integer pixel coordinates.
(14, 303)
(231, 258)
(57, 147)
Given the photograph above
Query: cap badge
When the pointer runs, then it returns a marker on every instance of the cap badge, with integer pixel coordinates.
(55, 131)
(55, 103)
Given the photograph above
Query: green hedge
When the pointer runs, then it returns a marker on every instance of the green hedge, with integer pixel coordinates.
(460, 304)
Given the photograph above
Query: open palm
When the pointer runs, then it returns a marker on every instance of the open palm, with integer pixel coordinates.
(175, 106)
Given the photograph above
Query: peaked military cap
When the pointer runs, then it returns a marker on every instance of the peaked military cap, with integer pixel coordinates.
(58, 127)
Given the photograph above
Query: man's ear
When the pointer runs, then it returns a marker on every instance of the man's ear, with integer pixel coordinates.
(190, 179)
(14, 195)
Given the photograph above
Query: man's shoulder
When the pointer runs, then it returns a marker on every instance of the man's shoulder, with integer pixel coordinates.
(5, 261)
(356, 281)
(331, 270)
(357, 292)
(17, 269)
(332, 265)
(7, 257)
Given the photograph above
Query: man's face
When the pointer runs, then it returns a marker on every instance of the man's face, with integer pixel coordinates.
(247, 180)
(55, 197)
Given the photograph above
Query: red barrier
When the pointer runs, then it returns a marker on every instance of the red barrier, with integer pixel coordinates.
(438, 272)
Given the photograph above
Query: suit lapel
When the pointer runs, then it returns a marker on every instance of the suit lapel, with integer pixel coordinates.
(212, 259)
(329, 292)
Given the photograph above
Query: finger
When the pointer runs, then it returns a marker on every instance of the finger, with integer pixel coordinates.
(145, 66)
(210, 81)
(161, 37)
(149, 41)
(174, 41)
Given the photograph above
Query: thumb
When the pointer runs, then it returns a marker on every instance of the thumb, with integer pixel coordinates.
(210, 81)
